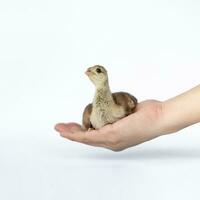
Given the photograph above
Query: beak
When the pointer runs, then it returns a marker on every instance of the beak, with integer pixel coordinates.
(88, 72)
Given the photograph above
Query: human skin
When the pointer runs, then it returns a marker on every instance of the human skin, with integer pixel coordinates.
(151, 119)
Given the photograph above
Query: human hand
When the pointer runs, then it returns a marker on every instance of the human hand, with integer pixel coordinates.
(143, 125)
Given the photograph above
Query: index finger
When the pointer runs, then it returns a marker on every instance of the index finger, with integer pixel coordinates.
(74, 132)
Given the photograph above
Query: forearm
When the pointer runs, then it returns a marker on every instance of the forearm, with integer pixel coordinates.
(182, 111)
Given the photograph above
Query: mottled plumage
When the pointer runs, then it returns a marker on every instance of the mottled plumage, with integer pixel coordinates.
(106, 107)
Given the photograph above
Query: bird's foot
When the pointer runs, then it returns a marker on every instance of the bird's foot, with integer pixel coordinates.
(90, 129)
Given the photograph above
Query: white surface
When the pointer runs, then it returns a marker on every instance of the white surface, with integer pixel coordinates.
(150, 48)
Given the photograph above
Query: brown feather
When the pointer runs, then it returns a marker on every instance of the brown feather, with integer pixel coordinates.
(126, 100)
(86, 117)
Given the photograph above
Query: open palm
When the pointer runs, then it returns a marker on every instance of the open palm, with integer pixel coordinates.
(141, 126)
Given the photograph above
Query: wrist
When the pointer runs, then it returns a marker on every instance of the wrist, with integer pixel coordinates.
(182, 111)
(164, 121)
(171, 119)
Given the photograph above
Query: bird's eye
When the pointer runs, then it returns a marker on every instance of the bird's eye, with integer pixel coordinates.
(98, 70)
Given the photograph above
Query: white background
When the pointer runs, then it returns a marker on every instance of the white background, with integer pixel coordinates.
(150, 49)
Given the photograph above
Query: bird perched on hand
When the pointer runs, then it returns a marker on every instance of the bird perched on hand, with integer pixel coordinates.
(106, 107)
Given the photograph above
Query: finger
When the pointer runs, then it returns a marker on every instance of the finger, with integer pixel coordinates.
(94, 138)
(68, 127)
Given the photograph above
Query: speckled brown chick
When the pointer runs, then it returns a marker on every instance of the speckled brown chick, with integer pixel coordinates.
(106, 107)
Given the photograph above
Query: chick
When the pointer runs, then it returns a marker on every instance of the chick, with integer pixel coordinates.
(106, 107)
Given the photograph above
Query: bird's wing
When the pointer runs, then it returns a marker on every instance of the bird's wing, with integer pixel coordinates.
(86, 117)
(126, 100)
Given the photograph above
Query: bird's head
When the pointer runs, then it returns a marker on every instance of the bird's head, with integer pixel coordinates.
(98, 75)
